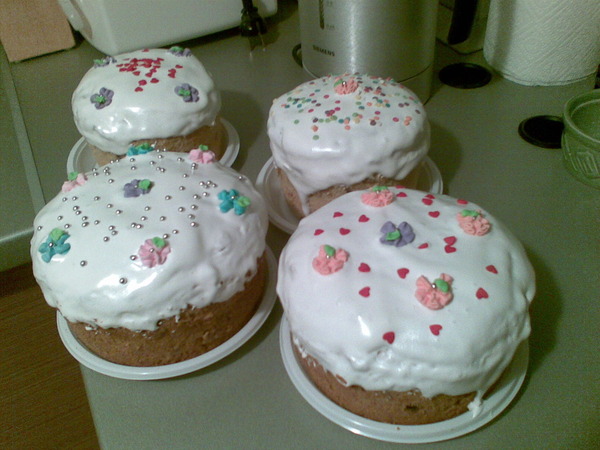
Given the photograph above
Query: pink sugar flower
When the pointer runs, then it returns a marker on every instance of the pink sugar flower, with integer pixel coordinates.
(345, 86)
(202, 155)
(473, 222)
(329, 260)
(434, 295)
(75, 179)
(378, 196)
(154, 251)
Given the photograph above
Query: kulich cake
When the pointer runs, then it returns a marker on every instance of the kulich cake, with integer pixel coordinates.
(153, 259)
(155, 97)
(405, 307)
(343, 133)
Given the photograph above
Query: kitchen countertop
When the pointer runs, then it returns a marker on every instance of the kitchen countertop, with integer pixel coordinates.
(247, 399)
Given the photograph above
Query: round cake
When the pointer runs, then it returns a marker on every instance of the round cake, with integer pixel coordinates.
(153, 259)
(405, 307)
(153, 98)
(343, 133)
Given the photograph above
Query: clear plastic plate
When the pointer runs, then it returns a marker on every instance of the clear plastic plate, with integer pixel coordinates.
(497, 401)
(82, 160)
(90, 360)
(282, 216)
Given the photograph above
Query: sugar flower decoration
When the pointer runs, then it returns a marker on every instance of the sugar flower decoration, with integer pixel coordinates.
(187, 92)
(180, 51)
(55, 244)
(473, 222)
(434, 295)
(104, 61)
(378, 196)
(397, 236)
(233, 200)
(345, 86)
(141, 149)
(102, 98)
(329, 260)
(202, 155)
(154, 252)
(74, 179)
(135, 188)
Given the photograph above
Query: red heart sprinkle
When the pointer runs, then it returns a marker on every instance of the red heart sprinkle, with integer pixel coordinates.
(136, 73)
(337, 214)
(364, 267)
(491, 268)
(461, 201)
(319, 231)
(434, 214)
(138, 89)
(344, 231)
(424, 245)
(401, 194)
(154, 80)
(142, 82)
(435, 329)
(427, 201)
(449, 249)
(365, 292)
(179, 66)
(403, 272)
(389, 337)
(363, 218)
(481, 293)
(450, 240)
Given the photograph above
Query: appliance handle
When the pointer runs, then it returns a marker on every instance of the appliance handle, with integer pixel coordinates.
(463, 18)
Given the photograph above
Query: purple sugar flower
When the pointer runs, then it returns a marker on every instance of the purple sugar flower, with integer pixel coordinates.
(102, 98)
(397, 236)
(135, 188)
(187, 92)
(180, 51)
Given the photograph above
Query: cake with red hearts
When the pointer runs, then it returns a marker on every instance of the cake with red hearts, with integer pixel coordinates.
(405, 307)
(153, 259)
(337, 134)
(152, 98)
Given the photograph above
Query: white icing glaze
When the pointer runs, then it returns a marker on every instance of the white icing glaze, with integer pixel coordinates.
(208, 262)
(321, 138)
(148, 110)
(345, 330)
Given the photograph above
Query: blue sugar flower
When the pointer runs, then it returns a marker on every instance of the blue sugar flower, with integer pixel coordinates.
(233, 200)
(141, 149)
(55, 244)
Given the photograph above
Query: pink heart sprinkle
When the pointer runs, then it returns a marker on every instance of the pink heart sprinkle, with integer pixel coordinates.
(319, 231)
(434, 214)
(338, 214)
(435, 329)
(403, 272)
(481, 293)
(424, 245)
(491, 268)
(450, 240)
(449, 249)
(389, 337)
(365, 292)
(344, 231)
(363, 218)
(364, 267)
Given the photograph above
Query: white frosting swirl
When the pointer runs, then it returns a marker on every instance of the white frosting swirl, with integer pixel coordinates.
(321, 138)
(364, 322)
(144, 103)
(212, 253)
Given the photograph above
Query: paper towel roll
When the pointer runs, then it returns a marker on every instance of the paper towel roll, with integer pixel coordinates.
(543, 42)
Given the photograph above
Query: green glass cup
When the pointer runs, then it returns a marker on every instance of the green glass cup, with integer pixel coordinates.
(581, 137)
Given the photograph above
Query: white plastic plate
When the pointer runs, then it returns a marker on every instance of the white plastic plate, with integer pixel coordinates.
(497, 401)
(282, 216)
(90, 360)
(82, 160)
